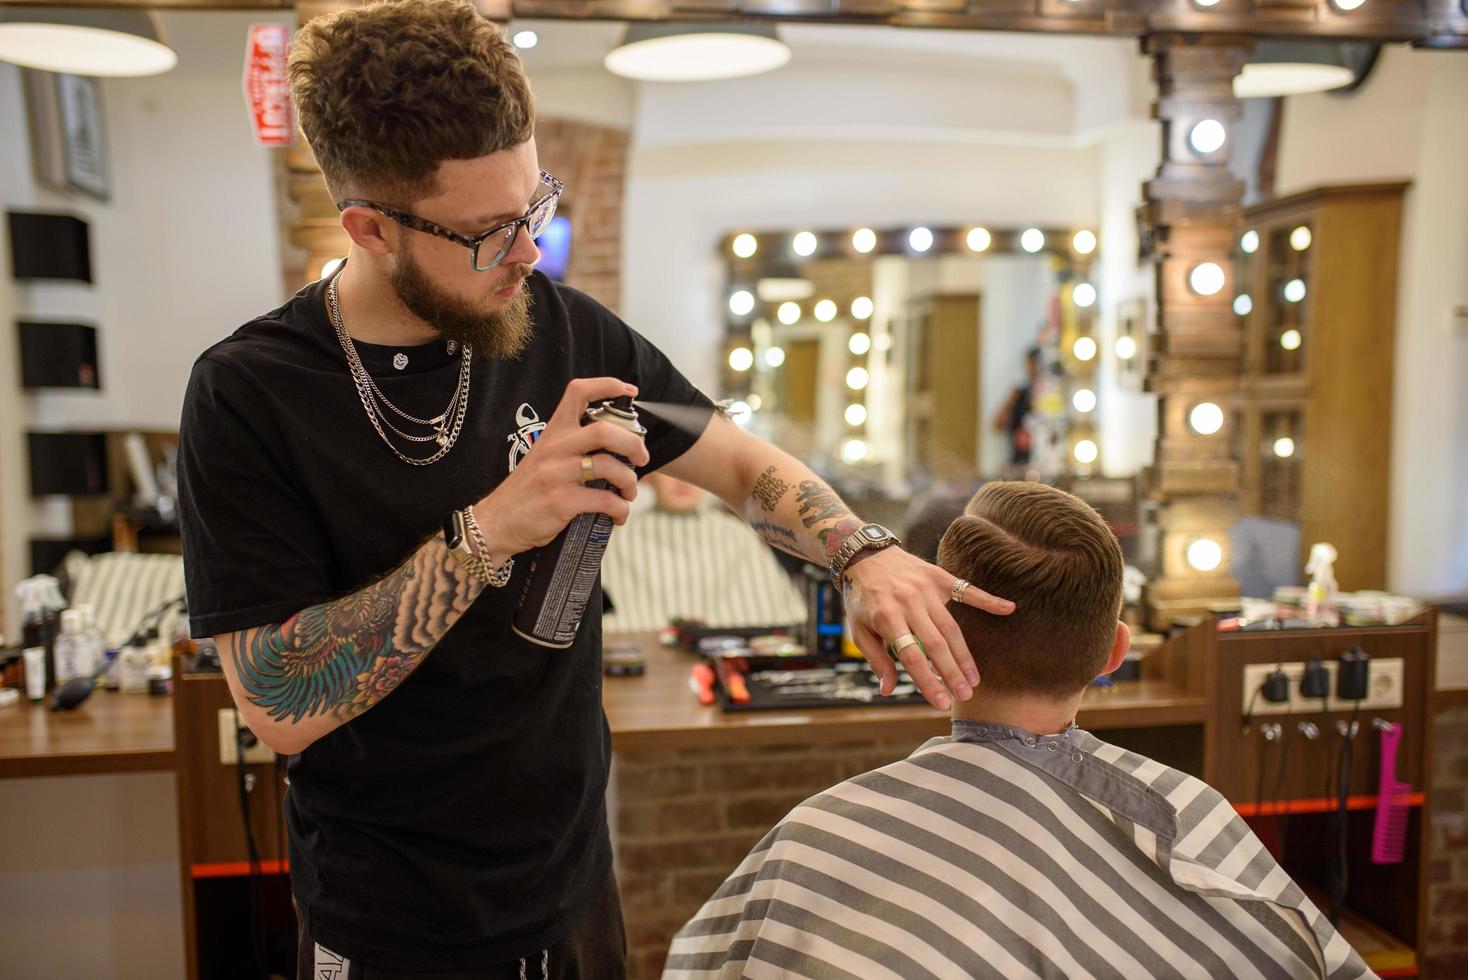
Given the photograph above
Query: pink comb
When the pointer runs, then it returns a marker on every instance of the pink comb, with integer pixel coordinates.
(1389, 835)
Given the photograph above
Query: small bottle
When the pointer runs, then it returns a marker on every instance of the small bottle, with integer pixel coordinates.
(71, 648)
(35, 673)
(564, 572)
(38, 627)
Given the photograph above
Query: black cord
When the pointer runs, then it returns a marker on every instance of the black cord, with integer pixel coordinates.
(1340, 880)
(1279, 780)
(1329, 745)
(257, 944)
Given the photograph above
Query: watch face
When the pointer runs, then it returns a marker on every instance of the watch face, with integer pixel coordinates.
(873, 533)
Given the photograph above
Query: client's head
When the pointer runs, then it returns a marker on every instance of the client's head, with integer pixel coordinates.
(1055, 558)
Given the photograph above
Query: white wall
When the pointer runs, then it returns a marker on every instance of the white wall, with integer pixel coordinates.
(185, 251)
(1410, 121)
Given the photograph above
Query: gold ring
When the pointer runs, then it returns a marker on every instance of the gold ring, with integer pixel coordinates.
(587, 473)
(960, 586)
(904, 641)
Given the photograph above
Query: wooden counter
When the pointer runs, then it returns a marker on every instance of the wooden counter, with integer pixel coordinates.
(111, 732)
(658, 711)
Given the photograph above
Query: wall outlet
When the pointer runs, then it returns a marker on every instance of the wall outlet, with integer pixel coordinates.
(229, 723)
(1384, 688)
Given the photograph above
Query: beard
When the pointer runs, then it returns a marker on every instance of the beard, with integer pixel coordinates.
(501, 334)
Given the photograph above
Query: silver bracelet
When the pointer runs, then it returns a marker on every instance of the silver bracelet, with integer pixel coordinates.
(496, 577)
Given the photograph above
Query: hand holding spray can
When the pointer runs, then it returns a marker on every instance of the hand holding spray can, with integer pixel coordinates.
(564, 572)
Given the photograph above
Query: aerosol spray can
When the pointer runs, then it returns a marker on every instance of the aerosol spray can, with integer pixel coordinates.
(561, 579)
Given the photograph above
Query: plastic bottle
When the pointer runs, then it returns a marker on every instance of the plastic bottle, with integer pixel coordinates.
(40, 600)
(71, 648)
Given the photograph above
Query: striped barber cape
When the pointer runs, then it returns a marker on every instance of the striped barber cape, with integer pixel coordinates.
(996, 853)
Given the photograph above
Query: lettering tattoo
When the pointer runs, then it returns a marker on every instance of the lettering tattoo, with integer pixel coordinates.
(777, 536)
(342, 657)
(769, 489)
(818, 503)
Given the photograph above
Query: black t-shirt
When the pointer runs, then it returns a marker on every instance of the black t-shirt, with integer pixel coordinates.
(461, 821)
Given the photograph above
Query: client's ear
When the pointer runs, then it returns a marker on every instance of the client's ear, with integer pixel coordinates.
(1118, 649)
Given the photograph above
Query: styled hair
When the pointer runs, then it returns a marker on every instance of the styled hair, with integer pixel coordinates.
(1053, 555)
(387, 91)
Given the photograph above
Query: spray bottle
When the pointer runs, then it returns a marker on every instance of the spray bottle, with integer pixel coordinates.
(564, 572)
(1321, 596)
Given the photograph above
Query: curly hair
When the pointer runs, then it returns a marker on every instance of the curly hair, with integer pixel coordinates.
(1054, 556)
(387, 91)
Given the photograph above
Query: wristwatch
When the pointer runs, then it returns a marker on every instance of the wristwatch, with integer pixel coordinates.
(454, 536)
(868, 537)
(458, 530)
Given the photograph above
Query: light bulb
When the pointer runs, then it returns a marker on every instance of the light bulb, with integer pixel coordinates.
(741, 359)
(862, 307)
(774, 356)
(1207, 136)
(525, 40)
(1205, 3)
(788, 313)
(1086, 451)
(755, 402)
(859, 343)
(920, 239)
(883, 342)
(1084, 294)
(856, 414)
(1205, 554)
(853, 450)
(856, 378)
(1346, 6)
(1284, 447)
(1290, 339)
(1294, 290)
(745, 245)
(741, 302)
(1084, 242)
(1084, 400)
(1206, 278)
(1032, 240)
(863, 240)
(1126, 347)
(1249, 242)
(1301, 238)
(742, 413)
(978, 239)
(825, 311)
(1084, 348)
(1243, 304)
(1206, 418)
(804, 244)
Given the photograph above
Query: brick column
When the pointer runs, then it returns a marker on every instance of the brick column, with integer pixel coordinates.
(1193, 214)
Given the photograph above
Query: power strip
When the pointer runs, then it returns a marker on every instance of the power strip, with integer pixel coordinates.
(1383, 689)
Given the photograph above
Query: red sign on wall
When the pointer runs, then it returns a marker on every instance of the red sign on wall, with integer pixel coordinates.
(267, 87)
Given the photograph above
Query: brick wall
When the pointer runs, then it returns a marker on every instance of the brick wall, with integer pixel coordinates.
(685, 818)
(592, 162)
(1446, 953)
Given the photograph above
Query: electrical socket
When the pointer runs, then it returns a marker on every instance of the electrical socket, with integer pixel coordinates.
(229, 726)
(1384, 688)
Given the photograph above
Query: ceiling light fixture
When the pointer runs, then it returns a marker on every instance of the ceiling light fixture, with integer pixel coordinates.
(979, 239)
(1279, 68)
(102, 43)
(863, 240)
(682, 53)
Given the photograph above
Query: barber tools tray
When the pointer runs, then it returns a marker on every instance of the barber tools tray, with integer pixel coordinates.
(755, 683)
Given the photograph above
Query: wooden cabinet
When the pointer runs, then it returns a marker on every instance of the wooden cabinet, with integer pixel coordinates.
(1317, 302)
(943, 386)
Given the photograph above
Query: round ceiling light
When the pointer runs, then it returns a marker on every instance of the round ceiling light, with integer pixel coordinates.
(853, 451)
(859, 343)
(1279, 68)
(978, 239)
(1205, 554)
(1084, 242)
(804, 244)
(745, 245)
(863, 240)
(1032, 240)
(1086, 452)
(862, 307)
(1126, 347)
(1084, 400)
(825, 311)
(525, 40)
(920, 239)
(1206, 418)
(1294, 290)
(741, 359)
(1290, 339)
(741, 302)
(856, 414)
(1284, 447)
(1249, 242)
(684, 53)
(857, 378)
(1084, 348)
(774, 356)
(101, 43)
(1084, 294)
(1301, 238)
(1243, 304)
(788, 313)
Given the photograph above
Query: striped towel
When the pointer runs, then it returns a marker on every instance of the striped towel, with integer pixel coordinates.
(122, 588)
(995, 853)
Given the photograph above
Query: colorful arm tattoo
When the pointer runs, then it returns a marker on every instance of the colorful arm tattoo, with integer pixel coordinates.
(342, 657)
(812, 528)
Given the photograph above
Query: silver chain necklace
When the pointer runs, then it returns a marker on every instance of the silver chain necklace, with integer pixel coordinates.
(445, 426)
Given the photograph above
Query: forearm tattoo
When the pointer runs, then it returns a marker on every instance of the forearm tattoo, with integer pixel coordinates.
(769, 489)
(342, 657)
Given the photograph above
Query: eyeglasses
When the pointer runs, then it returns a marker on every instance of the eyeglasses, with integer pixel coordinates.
(497, 241)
